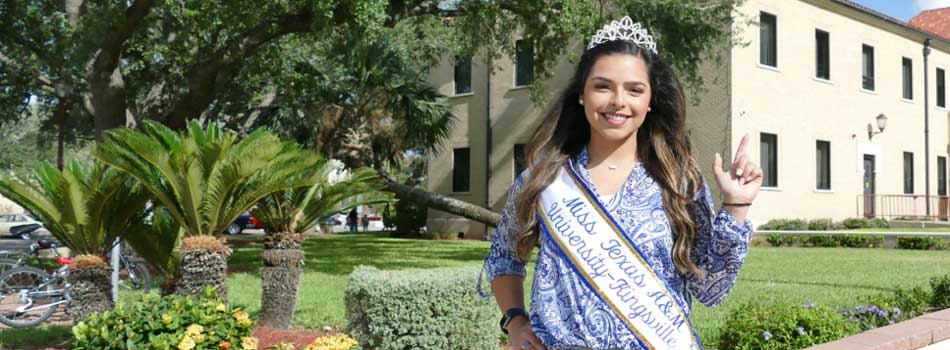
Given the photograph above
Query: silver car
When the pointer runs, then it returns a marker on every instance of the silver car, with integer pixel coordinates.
(11, 220)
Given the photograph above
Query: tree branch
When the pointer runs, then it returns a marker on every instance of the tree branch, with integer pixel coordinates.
(440, 201)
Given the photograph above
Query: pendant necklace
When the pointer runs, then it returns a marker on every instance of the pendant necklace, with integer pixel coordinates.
(612, 166)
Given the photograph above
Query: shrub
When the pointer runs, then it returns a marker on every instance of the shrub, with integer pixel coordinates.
(419, 309)
(776, 240)
(785, 225)
(170, 322)
(821, 225)
(919, 243)
(859, 241)
(909, 303)
(824, 241)
(853, 223)
(771, 325)
(878, 223)
(940, 286)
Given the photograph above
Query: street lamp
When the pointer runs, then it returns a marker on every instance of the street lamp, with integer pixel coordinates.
(881, 123)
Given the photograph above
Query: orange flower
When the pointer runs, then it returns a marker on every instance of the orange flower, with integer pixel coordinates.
(224, 345)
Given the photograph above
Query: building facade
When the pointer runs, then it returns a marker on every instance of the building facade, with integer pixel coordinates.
(808, 83)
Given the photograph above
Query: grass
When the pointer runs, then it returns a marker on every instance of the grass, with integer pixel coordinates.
(828, 276)
(35, 337)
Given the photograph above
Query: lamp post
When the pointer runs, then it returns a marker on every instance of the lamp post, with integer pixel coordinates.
(881, 123)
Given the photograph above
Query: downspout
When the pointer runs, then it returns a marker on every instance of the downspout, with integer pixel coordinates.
(926, 126)
(488, 135)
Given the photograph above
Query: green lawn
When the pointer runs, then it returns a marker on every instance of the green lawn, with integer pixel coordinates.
(828, 276)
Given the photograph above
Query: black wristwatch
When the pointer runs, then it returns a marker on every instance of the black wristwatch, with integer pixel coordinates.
(510, 314)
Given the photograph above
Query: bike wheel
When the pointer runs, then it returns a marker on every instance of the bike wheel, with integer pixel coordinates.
(135, 277)
(27, 297)
(7, 264)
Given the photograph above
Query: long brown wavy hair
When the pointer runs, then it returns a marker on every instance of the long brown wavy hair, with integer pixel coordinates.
(661, 143)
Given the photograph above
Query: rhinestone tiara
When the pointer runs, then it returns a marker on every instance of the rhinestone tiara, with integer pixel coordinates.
(624, 29)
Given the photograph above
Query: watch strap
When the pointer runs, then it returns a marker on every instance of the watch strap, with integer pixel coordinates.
(509, 315)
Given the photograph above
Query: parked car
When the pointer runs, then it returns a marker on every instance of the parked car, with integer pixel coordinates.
(8, 221)
(244, 221)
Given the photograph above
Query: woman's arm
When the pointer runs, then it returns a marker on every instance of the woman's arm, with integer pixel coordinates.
(719, 249)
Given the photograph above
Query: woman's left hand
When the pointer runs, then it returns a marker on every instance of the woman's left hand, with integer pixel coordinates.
(740, 183)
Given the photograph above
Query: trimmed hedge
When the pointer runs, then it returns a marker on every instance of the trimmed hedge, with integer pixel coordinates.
(420, 309)
(827, 241)
(920, 243)
(821, 224)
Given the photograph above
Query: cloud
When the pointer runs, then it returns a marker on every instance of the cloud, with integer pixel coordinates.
(923, 5)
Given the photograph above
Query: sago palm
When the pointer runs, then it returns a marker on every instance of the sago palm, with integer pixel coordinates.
(87, 210)
(204, 177)
(285, 214)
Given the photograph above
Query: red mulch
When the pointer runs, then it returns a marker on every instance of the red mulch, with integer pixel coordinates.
(299, 337)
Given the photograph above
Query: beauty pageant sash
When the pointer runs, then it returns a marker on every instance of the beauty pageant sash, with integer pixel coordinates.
(612, 266)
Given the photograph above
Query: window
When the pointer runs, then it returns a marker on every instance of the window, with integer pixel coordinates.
(941, 176)
(822, 55)
(524, 67)
(823, 165)
(463, 75)
(521, 159)
(768, 157)
(941, 88)
(867, 67)
(768, 51)
(460, 170)
(908, 173)
(908, 70)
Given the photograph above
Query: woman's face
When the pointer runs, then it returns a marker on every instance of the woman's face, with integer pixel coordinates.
(616, 96)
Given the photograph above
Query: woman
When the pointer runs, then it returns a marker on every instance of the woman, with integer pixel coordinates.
(621, 213)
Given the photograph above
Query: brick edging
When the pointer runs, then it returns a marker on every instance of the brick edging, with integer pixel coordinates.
(908, 335)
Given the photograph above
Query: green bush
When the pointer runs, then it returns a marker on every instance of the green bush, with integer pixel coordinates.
(858, 241)
(771, 325)
(171, 322)
(776, 240)
(823, 241)
(919, 243)
(940, 286)
(420, 309)
(853, 223)
(909, 303)
(878, 223)
(822, 225)
(784, 225)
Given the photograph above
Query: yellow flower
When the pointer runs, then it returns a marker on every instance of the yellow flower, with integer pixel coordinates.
(241, 315)
(221, 307)
(194, 329)
(186, 343)
(248, 343)
(199, 338)
(166, 318)
(333, 342)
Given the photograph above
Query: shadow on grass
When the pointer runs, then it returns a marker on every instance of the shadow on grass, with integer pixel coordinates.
(41, 337)
(339, 254)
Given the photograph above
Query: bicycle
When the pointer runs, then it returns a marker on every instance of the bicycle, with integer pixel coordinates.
(29, 296)
(133, 273)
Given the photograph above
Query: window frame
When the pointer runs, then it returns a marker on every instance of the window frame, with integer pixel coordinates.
(457, 175)
(456, 73)
(867, 51)
(825, 163)
(941, 88)
(941, 176)
(768, 56)
(524, 157)
(819, 58)
(907, 78)
(520, 47)
(769, 162)
(908, 165)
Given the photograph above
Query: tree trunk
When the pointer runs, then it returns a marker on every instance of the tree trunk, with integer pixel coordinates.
(204, 263)
(442, 202)
(91, 291)
(280, 279)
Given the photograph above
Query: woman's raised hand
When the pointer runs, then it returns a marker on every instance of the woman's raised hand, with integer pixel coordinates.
(739, 183)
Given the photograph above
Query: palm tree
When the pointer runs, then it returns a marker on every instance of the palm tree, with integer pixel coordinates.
(286, 214)
(204, 178)
(87, 210)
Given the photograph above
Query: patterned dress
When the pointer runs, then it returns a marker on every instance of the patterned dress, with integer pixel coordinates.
(566, 314)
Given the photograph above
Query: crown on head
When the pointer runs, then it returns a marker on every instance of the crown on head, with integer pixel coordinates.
(624, 29)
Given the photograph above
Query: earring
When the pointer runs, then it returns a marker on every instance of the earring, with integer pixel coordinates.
(580, 101)
(649, 109)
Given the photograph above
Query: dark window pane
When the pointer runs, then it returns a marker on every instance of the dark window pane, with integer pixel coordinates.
(823, 165)
(908, 73)
(768, 157)
(460, 170)
(867, 67)
(941, 176)
(768, 47)
(822, 55)
(524, 67)
(463, 75)
(908, 173)
(941, 88)
(521, 159)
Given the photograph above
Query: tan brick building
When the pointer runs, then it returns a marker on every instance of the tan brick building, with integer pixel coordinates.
(812, 78)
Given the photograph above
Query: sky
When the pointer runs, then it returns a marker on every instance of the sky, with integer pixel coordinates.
(903, 9)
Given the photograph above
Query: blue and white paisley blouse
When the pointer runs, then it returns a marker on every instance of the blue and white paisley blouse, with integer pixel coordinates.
(565, 313)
